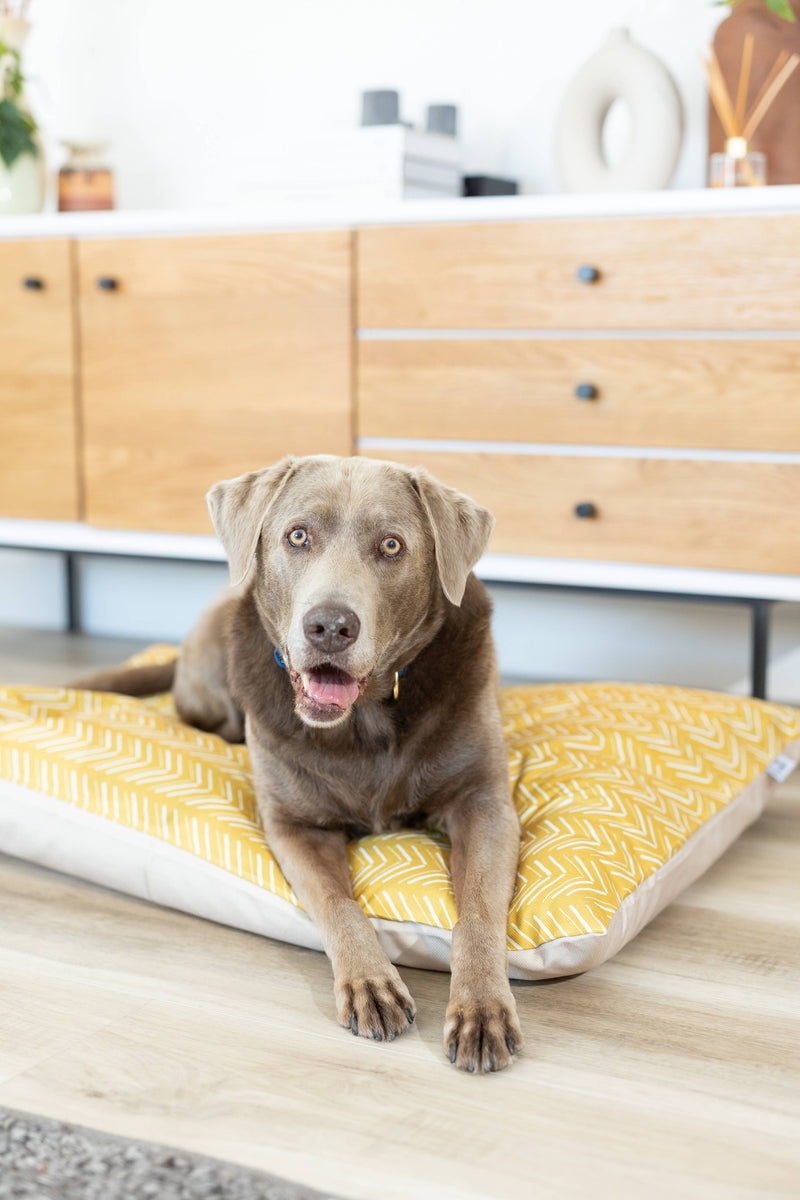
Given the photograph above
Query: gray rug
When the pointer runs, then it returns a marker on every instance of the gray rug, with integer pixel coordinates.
(50, 1160)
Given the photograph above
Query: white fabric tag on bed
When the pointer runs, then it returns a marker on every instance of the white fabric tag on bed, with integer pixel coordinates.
(781, 768)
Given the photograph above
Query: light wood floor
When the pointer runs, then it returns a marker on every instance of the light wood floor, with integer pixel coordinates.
(672, 1071)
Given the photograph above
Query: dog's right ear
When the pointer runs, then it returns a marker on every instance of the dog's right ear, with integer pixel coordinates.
(238, 508)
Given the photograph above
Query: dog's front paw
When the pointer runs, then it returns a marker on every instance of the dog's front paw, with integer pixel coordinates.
(378, 1006)
(482, 1035)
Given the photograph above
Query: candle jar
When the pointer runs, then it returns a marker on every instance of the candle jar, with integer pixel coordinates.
(85, 182)
(737, 166)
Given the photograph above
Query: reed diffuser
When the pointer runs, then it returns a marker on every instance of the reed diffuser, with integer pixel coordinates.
(739, 166)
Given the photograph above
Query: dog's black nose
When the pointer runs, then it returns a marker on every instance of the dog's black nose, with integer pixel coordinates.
(331, 628)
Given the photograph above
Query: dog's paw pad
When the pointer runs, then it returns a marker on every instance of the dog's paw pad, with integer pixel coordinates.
(481, 1036)
(379, 1007)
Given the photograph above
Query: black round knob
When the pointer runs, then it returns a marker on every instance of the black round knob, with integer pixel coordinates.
(107, 283)
(33, 283)
(586, 391)
(586, 509)
(588, 274)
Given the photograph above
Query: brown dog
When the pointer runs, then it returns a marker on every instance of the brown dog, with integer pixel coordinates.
(378, 710)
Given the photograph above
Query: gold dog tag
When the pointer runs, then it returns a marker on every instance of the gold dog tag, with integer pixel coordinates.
(396, 688)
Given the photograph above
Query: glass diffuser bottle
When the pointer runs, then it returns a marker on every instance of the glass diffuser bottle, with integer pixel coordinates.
(737, 166)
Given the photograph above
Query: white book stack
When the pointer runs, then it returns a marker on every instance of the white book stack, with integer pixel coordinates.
(372, 163)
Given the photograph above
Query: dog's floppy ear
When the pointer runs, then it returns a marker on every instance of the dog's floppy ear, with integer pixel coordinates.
(461, 531)
(238, 507)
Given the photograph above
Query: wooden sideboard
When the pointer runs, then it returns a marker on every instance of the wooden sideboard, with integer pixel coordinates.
(620, 389)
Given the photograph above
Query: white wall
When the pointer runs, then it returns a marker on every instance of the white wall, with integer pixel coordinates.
(191, 93)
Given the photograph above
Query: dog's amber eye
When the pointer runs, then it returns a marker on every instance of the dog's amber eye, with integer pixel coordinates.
(298, 537)
(391, 547)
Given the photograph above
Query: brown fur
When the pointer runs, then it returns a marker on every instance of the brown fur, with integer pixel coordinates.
(435, 751)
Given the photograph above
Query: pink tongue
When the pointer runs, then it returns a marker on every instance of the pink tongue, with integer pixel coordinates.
(338, 689)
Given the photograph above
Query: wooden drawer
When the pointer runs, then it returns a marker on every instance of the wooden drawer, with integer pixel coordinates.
(38, 454)
(211, 356)
(654, 273)
(735, 516)
(713, 394)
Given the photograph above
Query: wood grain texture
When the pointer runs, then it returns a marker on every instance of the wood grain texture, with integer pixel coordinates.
(38, 437)
(715, 394)
(726, 272)
(670, 1070)
(727, 515)
(214, 356)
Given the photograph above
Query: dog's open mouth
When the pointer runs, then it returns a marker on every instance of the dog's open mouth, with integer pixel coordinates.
(326, 693)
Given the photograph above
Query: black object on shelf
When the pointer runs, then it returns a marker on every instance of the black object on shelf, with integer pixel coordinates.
(587, 274)
(586, 510)
(489, 185)
(586, 391)
(33, 283)
(107, 283)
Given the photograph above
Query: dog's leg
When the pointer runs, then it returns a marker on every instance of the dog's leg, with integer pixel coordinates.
(371, 998)
(481, 1030)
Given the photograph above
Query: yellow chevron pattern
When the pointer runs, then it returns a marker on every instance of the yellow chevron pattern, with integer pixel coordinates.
(610, 780)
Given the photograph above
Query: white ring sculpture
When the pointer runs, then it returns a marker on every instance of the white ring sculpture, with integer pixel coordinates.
(621, 70)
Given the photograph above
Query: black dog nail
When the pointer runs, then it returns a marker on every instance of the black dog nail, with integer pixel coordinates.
(512, 1045)
(410, 1016)
(354, 1025)
(452, 1052)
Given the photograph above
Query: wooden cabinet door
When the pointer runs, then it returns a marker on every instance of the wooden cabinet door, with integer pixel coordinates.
(38, 456)
(204, 357)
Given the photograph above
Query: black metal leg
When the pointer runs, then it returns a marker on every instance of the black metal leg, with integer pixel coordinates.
(760, 648)
(73, 593)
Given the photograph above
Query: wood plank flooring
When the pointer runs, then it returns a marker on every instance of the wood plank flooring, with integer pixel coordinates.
(673, 1070)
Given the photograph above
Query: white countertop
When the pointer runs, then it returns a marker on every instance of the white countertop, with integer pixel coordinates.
(141, 222)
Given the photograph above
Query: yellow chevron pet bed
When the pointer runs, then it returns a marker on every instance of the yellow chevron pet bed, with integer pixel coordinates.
(626, 794)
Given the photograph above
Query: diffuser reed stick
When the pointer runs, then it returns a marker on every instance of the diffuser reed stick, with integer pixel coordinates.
(760, 109)
(736, 122)
(744, 79)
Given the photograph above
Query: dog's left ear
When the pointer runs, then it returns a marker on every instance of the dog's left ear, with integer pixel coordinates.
(238, 508)
(461, 531)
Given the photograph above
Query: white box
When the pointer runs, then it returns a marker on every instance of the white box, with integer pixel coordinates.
(377, 162)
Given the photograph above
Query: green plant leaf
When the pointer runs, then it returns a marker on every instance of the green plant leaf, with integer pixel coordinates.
(16, 133)
(11, 71)
(782, 8)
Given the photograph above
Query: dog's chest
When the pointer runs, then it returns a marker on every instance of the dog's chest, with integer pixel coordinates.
(371, 779)
(371, 792)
